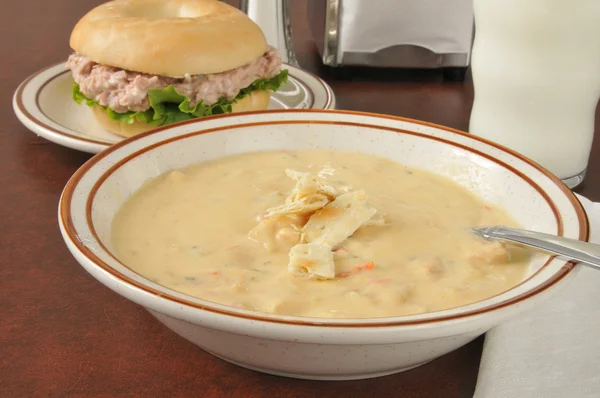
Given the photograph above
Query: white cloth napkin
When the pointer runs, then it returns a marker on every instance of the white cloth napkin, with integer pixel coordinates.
(552, 350)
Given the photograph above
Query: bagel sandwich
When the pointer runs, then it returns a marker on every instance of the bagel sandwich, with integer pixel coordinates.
(140, 64)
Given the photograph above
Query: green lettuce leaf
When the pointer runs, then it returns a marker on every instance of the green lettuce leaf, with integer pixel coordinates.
(168, 106)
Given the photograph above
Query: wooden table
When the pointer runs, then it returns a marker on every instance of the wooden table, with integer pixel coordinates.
(63, 334)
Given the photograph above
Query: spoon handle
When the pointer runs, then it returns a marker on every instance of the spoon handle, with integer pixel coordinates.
(583, 252)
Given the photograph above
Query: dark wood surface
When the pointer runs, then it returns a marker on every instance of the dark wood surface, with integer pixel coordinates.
(63, 334)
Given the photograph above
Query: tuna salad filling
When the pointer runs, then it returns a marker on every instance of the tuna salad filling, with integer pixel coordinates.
(128, 96)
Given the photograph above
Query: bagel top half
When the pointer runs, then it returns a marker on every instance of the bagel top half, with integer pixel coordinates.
(169, 37)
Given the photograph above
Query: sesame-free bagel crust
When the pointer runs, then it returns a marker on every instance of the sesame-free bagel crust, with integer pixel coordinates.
(169, 38)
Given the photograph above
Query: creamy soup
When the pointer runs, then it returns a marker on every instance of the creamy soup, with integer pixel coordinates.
(376, 239)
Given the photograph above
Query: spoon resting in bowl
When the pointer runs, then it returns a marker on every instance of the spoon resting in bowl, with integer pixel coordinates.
(583, 252)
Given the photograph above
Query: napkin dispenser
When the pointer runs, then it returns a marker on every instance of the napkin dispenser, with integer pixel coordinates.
(393, 33)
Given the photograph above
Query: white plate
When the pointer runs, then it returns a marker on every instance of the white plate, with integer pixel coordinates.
(43, 103)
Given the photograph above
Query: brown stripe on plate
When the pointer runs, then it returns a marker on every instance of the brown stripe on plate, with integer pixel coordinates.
(28, 115)
(23, 109)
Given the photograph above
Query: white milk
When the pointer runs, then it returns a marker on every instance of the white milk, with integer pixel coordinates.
(536, 71)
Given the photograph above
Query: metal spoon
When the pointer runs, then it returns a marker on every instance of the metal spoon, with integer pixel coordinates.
(572, 249)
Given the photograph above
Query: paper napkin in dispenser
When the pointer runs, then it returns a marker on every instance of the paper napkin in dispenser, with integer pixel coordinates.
(440, 32)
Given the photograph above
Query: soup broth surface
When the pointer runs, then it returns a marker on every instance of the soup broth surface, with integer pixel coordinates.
(195, 230)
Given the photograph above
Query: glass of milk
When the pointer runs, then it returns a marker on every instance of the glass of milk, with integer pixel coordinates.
(536, 72)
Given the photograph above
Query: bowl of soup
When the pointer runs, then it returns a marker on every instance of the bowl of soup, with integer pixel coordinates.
(326, 245)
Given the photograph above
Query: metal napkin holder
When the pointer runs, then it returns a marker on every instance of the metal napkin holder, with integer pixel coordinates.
(324, 18)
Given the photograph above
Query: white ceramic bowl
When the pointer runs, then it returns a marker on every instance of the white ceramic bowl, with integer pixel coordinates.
(319, 348)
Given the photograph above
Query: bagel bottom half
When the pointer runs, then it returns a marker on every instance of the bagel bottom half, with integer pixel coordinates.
(255, 101)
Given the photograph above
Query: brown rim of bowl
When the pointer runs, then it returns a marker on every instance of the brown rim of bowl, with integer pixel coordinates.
(123, 161)
(117, 165)
(28, 115)
(65, 205)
